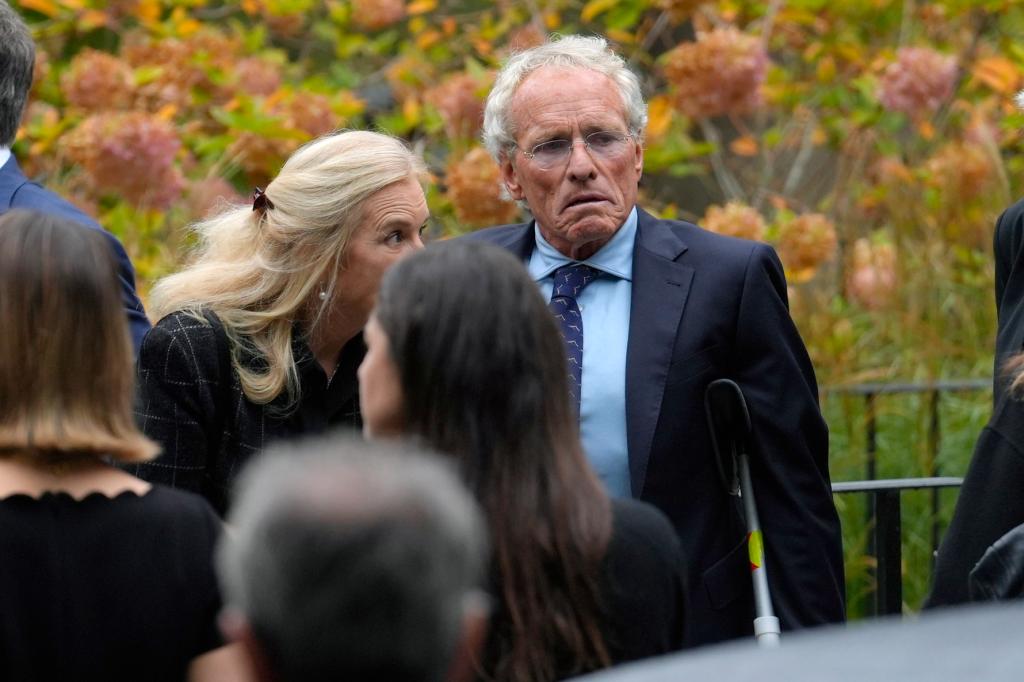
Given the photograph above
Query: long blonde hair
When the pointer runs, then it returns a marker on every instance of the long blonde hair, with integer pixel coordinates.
(66, 372)
(257, 270)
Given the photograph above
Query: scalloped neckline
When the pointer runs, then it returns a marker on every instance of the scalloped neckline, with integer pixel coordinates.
(65, 495)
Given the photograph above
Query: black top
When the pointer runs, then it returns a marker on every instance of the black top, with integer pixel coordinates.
(103, 588)
(990, 503)
(190, 401)
(644, 584)
(642, 588)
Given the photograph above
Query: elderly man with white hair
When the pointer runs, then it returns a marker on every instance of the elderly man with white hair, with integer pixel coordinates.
(653, 310)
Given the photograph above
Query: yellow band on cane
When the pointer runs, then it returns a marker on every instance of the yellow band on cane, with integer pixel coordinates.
(755, 547)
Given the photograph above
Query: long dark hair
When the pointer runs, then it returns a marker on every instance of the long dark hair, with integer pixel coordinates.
(66, 372)
(484, 378)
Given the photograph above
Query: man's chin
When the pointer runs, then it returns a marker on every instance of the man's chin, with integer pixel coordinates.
(593, 229)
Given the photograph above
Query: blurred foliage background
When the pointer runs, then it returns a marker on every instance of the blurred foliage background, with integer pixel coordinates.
(873, 142)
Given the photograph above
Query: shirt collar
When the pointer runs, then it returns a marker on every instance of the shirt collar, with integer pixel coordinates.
(614, 258)
(5, 155)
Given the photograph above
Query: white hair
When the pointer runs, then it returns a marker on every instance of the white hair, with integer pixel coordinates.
(573, 51)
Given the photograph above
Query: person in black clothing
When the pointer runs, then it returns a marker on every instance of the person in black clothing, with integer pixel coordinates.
(102, 576)
(990, 502)
(261, 334)
(463, 354)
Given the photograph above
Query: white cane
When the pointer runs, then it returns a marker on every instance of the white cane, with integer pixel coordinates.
(729, 422)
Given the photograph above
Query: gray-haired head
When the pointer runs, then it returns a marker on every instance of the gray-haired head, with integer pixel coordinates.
(17, 61)
(583, 52)
(353, 560)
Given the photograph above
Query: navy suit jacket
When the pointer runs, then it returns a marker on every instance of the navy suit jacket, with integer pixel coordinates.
(16, 191)
(704, 307)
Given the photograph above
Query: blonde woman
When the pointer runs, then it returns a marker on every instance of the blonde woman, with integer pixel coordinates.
(102, 575)
(261, 334)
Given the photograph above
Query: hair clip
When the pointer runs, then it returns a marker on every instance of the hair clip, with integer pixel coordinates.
(260, 201)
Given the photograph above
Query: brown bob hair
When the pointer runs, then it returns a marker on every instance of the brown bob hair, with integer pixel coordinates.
(66, 368)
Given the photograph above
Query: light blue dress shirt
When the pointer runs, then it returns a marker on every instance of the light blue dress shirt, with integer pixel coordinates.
(605, 305)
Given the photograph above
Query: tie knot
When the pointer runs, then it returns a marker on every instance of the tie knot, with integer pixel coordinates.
(570, 280)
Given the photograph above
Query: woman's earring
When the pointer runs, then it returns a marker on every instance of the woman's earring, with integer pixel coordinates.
(322, 295)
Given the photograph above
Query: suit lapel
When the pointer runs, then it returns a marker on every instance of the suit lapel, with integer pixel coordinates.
(519, 239)
(660, 289)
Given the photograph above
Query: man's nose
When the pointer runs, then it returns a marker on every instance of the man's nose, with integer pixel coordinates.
(581, 163)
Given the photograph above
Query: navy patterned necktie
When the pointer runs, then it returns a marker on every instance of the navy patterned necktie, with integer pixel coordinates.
(569, 281)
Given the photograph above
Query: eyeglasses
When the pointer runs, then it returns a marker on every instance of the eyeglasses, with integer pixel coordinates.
(604, 144)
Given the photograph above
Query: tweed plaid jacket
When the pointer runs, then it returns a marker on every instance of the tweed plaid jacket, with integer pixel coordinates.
(190, 401)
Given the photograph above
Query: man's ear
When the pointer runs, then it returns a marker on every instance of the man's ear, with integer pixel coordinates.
(510, 176)
(464, 666)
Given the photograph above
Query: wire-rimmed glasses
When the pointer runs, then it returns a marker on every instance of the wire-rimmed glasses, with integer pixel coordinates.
(604, 144)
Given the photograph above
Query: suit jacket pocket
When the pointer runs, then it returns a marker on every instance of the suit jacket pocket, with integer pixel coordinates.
(726, 580)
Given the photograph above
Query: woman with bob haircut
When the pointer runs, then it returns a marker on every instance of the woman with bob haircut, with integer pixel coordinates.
(464, 356)
(261, 334)
(102, 575)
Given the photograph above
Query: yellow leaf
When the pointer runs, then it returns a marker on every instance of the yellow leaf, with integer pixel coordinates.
(148, 11)
(998, 73)
(926, 129)
(484, 47)
(826, 71)
(47, 7)
(428, 39)
(275, 98)
(188, 27)
(659, 117)
(250, 7)
(92, 18)
(744, 146)
(449, 26)
(553, 20)
(167, 112)
(411, 111)
(620, 36)
(595, 7)
(421, 6)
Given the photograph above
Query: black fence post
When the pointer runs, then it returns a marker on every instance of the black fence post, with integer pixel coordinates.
(871, 435)
(934, 436)
(888, 552)
(885, 537)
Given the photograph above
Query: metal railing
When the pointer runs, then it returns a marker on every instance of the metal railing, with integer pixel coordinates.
(884, 508)
(887, 531)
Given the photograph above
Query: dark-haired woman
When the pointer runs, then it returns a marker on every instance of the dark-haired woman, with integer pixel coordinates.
(463, 354)
(102, 576)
